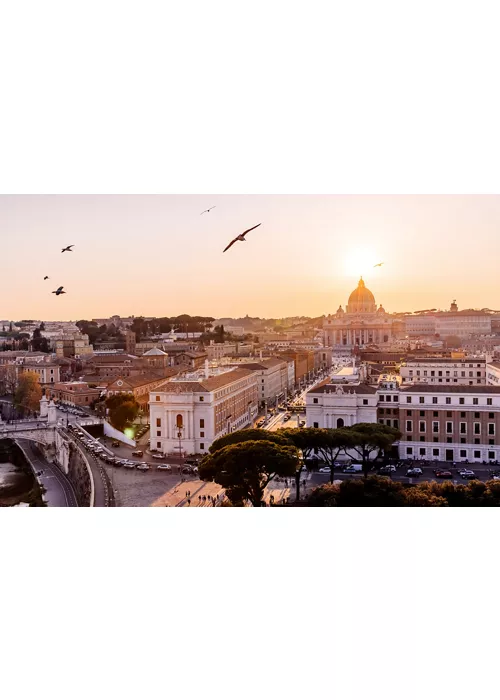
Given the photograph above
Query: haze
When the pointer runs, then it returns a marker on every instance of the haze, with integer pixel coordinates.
(155, 255)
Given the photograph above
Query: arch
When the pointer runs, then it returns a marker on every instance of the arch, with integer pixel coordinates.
(340, 423)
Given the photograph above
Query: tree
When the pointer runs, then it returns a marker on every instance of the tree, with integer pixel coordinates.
(28, 393)
(248, 435)
(366, 438)
(8, 379)
(308, 441)
(375, 491)
(123, 409)
(246, 468)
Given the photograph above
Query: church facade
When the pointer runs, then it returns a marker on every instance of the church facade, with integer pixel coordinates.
(362, 323)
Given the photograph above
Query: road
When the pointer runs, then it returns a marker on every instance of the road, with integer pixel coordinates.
(58, 489)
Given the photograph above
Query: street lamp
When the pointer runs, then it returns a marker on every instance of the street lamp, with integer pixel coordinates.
(179, 435)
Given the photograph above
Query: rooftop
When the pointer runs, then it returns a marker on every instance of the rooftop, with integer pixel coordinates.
(198, 383)
(348, 388)
(452, 389)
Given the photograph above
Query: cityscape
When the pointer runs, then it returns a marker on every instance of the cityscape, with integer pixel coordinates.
(356, 406)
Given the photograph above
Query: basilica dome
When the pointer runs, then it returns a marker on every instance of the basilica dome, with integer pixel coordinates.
(361, 300)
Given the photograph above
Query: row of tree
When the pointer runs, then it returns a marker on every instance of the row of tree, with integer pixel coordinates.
(376, 491)
(246, 461)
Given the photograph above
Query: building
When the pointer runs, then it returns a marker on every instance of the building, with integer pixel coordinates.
(462, 324)
(48, 373)
(190, 358)
(130, 342)
(444, 370)
(74, 393)
(73, 345)
(140, 386)
(336, 405)
(273, 379)
(362, 323)
(187, 415)
(303, 363)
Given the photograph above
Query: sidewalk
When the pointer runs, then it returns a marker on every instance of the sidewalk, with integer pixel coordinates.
(176, 497)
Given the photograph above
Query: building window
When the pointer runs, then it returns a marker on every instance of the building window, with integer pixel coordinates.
(434, 399)
(365, 402)
(381, 411)
(409, 426)
(422, 399)
(202, 434)
(463, 453)
(422, 414)
(202, 445)
(408, 399)
(157, 398)
(178, 421)
(491, 415)
(449, 440)
(449, 427)
(409, 450)
(340, 423)
(202, 422)
(435, 414)
(158, 433)
(435, 451)
(489, 402)
(435, 427)
(448, 399)
(463, 441)
(462, 414)
(422, 450)
(315, 425)
(382, 398)
(477, 415)
(158, 445)
(422, 426)
(408, 413)
(381, 421)
(315, 400)
(491, 455)
(461, 401)
(449, 414)
(158, 422)
(463, 428)
(491, 442)
(477, 428)
(435, 439)
(202, 398)
(477, 441)
(477, 454)
(475, 401)
(422, 438)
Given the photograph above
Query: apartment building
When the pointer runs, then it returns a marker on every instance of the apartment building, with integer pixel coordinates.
(187, 415)
(140, 386)
(445, 370)
(273, 379)
(74, 393)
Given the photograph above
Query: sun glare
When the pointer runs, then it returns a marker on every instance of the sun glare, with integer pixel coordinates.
(360, 261)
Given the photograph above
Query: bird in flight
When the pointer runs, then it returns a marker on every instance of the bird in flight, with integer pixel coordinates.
(241, 237)
(207, 211)
(59, 291)
(378, 264)
(68, 248)
(46, 278)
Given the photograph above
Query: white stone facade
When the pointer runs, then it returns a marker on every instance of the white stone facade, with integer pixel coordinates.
(330, 406)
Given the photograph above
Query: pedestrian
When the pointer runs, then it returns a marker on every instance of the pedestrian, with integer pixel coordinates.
(189, 501)
(199, 498)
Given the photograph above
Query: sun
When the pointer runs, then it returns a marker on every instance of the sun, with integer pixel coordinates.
(360, 261)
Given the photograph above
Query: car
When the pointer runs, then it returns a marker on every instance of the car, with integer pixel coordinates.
(164, 467)
(353, 469)
(495, 477)
(387, 469)
(463, 471)
(119, 463)
(469, 474)
(443, 474)
(324, 470)
(115, 443)
(414, 471)
(286, 418)
(187, 470)
(158, 455)
(138, 453)
(302, 423)
(129, 465)
(143, 466)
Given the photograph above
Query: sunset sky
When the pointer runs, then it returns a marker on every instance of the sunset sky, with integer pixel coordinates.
(155, 255)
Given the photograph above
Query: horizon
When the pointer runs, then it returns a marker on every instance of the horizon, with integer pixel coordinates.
(160, 252)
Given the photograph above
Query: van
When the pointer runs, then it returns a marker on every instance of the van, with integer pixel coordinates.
(353, 468)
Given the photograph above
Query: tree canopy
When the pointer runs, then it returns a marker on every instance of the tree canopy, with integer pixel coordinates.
(365, 438)
(246, 435)
(245, 469)
(123, 409)
(28, 393)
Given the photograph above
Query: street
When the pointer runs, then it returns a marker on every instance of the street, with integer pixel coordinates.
(58, 489)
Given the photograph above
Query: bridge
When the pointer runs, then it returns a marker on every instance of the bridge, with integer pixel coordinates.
(81, 478)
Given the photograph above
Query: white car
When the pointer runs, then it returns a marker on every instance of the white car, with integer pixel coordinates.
(129, 465)
(164, 467)
(143, 467)
(495, 478)
(324, 470)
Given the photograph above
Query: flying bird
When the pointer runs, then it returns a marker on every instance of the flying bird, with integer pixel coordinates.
(46, 278)
(59, 291)
(68, 248)
(378, 264)
(241, 237)
(207, 211)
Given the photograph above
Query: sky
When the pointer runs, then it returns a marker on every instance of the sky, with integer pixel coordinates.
(155, 255)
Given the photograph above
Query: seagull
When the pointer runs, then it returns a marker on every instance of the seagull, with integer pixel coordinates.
(241, 237)
(68, 248)
(46, 278)
(59, 291)
(207, 211)
(378, 264)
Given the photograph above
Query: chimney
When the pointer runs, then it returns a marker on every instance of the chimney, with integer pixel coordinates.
(207, 371)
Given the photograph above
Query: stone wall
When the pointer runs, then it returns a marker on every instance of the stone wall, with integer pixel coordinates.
(74, 464)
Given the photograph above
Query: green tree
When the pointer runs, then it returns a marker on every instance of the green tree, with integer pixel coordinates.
(367, 438)
(308, 441)
(123, 409)
(375, 491)
(28, 393)
(246, 468)
(247, 435)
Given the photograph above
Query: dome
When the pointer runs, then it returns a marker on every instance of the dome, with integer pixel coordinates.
(361, 300)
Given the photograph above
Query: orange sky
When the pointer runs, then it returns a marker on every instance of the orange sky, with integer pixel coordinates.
(155, 254)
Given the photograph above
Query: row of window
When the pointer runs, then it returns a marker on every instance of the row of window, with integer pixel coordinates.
(450, 440)
(422, 451)
(447, 374)
(461, 400)
(449, 414)
(449, 427)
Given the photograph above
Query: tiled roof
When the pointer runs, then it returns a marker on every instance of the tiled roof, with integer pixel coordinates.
(496, 365)
(203, 385)
(451, 389)
(454, 360)
(137, 381)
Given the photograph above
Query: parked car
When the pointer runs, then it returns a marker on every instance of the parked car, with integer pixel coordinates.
(143, 467)
(115, 443)
(164, 467)
(187, 470)
(129, 465)
(443, 474)
(158, 455)
(387, 469)
(138, 453)
(468, 474)
(324, 470)
(353, 469)
(414, 471)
